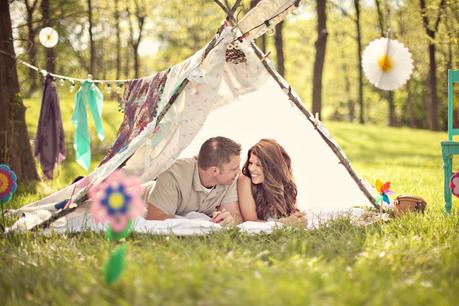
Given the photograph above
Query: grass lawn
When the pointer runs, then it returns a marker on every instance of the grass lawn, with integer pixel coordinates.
(408, 261)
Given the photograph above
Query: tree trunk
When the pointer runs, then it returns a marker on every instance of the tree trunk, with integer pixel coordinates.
(50, 54)
(92, 48)
(135, 50)
(359, 58)
(433, 118)
(118, 40)
(388, 95)
(433, 107)
(32, 49)
(319, 60)
(140, 17)
(279, 49)
(347, 89)
(15, 147)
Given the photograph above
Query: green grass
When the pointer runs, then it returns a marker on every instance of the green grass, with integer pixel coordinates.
(408, 261)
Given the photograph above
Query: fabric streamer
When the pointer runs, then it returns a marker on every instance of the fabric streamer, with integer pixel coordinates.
(141, 97)
(87, 95)
(49, 140)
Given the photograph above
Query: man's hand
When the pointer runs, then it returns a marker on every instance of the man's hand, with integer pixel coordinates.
(223, 217)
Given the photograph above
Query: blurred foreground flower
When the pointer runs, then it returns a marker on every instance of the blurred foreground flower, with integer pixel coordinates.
(116, 201)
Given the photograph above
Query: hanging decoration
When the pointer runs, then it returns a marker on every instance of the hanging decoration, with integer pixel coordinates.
(387, 64)
(90, 96)
(234, 55)
(48, 37)
(140, 107)
(117, 201)
(7, 187)
(49, 140)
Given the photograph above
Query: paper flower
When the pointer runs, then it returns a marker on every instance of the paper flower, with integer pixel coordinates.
(387, 63)
(48, 37)
(454, 184)
(384, 192)
(115, 202)
(7, 183)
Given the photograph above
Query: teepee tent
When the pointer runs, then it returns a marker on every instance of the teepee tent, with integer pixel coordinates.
(226, 89)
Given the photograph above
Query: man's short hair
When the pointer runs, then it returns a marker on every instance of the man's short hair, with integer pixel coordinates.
(217, 151)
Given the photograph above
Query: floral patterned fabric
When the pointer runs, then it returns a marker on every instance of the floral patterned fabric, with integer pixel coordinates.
(140, 100)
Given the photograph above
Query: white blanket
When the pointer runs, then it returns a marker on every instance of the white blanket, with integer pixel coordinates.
(192, 224)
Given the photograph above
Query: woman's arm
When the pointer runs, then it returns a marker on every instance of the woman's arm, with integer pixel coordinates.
(246, 200)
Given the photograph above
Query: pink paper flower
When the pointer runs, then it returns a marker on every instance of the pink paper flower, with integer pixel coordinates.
(454, 184)
(116, 201)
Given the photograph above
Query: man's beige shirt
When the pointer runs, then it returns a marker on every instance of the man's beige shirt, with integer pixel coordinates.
(179, 191)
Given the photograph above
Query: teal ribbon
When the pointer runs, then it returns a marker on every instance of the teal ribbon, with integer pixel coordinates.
(87, 95)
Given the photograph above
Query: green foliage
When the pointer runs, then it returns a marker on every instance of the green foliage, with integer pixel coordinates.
(176, 29)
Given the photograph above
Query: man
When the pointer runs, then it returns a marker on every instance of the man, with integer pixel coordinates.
(206, 184)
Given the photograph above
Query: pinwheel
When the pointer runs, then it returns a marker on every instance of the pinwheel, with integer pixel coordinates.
(387, 63)
(7, 187)
(384, 192)
(7, 183)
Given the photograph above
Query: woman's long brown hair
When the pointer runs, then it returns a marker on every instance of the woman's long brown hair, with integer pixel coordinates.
(276, 196)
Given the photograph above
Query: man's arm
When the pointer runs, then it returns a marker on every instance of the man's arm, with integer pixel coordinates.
(162, 200)
(154, 213)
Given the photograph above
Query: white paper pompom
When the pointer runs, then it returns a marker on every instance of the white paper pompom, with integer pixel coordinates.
(48, 37)
(387, 63)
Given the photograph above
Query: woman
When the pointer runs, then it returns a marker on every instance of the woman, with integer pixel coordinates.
(266, 190)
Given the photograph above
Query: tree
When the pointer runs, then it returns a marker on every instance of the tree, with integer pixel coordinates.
(279, 43)
(319, 60)
(92, 47)
(136, 38)
(32, 49)
(431, 31)
(261, 41)
(388, 95)
(118, 39)
(50, 54)
(359, 57)
(15, 148)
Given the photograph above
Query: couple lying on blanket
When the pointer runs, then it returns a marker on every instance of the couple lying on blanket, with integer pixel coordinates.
(212, 184)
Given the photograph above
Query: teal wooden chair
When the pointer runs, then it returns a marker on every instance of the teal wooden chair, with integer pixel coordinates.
(450, 148)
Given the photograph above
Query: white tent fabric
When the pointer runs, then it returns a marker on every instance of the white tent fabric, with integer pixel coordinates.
(241, 101)
(323, 182)
(274, 11)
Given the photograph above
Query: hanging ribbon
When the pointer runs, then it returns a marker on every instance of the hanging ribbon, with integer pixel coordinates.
(87, 95)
